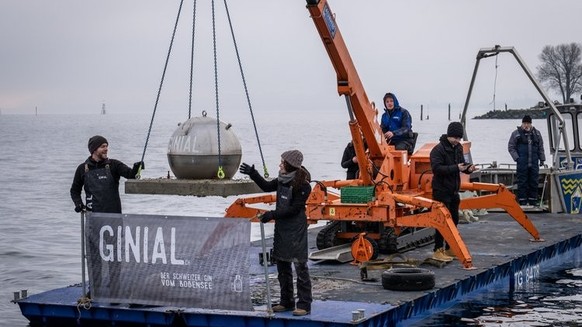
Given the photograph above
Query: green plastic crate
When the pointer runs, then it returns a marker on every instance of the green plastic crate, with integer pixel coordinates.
(357, 194)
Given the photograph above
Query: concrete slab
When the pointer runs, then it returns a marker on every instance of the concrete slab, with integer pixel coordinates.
(199, 187)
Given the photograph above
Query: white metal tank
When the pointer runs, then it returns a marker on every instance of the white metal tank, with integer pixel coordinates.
(193, 149)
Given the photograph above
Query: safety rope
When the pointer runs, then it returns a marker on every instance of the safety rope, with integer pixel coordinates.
(265, 172)
(161, 83)
(84, 302)
(495, 82)
(192, 60)
(220, 173)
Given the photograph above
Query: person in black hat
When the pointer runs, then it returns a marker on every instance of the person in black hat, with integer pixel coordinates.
(526, 147)
(99, 177)
(290, 239)
(396, 124)
(446, 161)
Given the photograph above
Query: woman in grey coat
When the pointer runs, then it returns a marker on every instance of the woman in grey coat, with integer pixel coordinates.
(290, 240)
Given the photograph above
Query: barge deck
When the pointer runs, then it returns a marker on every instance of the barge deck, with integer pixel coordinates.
(502, 252)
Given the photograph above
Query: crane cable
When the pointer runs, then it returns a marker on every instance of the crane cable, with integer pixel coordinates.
(192, 61)
(220, 173)
(265, 172)
(160, 87)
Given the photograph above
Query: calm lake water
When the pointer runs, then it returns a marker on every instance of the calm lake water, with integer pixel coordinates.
(40, 232)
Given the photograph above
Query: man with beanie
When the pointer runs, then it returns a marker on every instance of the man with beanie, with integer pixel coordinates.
(396, 124)
(99, 177)
(526, 147)
(447, 161)
(290, 239)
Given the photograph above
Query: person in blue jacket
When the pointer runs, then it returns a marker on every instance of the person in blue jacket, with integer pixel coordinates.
(526, 147)
(396, 124)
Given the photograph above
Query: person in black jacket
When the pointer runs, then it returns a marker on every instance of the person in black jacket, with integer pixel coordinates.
(526, 147)
(446, 161)
(99, 177)
(350, 161)
(290, 240)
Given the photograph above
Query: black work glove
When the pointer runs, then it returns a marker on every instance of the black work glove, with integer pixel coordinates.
(137, 165)
(246, 169)
(541, 163)
(266, 217)
(80, 207)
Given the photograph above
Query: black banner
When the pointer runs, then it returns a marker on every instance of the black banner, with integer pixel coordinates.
(191, 262)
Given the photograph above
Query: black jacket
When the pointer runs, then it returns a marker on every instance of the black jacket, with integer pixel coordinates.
(347, 162)
(100, 181)
(290, 240)
(444, 160)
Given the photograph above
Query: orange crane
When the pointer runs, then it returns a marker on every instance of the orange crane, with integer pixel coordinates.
(401, 185)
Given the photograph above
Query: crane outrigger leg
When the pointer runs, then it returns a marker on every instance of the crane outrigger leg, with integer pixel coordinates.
(501, 197)
(439, 218)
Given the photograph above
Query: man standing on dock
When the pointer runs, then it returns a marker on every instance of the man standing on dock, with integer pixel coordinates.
(446, 161)
(99, 176)
(526, 147)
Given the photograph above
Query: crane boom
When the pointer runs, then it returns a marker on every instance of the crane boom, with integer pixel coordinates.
(350, 86)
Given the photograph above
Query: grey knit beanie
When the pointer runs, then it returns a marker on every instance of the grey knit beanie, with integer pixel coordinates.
(293, 157)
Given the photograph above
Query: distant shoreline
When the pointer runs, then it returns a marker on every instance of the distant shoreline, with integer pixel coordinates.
(513, 114)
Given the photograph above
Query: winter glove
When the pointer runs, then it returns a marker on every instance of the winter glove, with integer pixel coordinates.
(80, 207)
(541, 163)
(266, 217)
(246, 169)
(138, 164)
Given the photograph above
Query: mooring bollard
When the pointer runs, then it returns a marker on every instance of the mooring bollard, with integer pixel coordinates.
(16, 296)
(23, 294)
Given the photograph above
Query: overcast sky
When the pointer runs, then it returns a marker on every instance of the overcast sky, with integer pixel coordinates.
(70, 56)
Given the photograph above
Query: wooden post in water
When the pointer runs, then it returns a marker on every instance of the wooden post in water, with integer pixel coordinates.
(449, 112)
(421, 112)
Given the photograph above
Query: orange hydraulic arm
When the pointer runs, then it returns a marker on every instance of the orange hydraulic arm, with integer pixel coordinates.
(350, 85)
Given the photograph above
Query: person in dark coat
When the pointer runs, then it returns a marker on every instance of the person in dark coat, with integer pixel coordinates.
(446, 161)
(350, 161)
(396, 124)
(526, 147)
(99, 177)
(290, 240)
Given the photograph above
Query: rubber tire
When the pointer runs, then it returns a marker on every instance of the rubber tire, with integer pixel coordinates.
(408, 279)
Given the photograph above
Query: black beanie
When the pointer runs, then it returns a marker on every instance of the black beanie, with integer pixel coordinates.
(526, 119)
(455, 129)
(95, 142)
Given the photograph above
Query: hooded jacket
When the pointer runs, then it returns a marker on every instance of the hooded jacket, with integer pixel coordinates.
(397, 121)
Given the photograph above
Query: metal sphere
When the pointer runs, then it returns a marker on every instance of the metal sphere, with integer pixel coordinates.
(193, 149)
